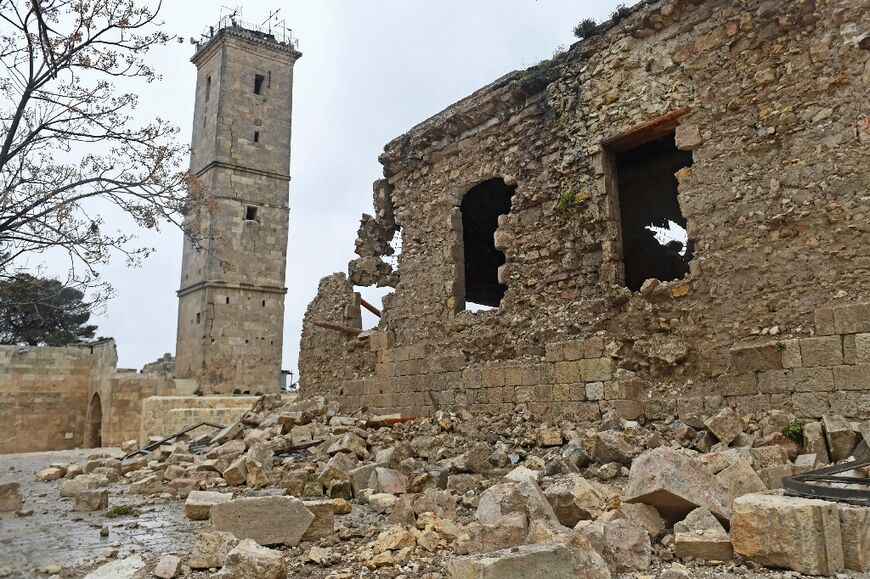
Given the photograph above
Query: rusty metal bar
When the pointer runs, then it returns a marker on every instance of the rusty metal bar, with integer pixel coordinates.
(808, 484)
(149, 447)
(369, 307)
(336, 327)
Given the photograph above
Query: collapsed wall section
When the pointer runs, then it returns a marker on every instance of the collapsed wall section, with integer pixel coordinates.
(768, 162)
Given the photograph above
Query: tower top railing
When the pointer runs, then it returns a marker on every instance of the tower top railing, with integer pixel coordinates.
(272, 32)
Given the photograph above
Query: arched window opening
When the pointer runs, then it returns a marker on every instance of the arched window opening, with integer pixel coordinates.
(480, 208)
(93, 434)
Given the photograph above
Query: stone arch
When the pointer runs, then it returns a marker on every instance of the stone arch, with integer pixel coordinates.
(94, 425)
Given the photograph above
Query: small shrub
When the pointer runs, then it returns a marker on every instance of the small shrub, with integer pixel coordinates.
(120, 511)
(619, 13)
(586, 29)
(794, 430)
(566, 200)
(780, 347)
(198, 392)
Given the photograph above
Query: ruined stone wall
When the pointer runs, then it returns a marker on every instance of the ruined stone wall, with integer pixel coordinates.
(765, 95)
(163, 415)
(45, 392)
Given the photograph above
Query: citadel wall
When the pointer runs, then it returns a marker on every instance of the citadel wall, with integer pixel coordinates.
(773, 311)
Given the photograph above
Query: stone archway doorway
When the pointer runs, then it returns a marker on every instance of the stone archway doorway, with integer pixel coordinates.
(93, 436)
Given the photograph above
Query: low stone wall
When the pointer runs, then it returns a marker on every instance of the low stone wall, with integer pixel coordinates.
(580, 379)
(163, 415)
(44, 395)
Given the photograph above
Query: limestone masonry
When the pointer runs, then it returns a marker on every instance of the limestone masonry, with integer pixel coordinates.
(669, 218)
(231, 301)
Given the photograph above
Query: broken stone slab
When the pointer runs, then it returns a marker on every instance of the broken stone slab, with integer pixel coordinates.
(840, 436)
(548, 560)
(323, 524)
(543, 532)
(236, 473)
(702, 536)
(360, 476)
(198, 505)
(382, 502)
(229, 433)
(814, 442)
(92, 500)
(168, 567)
(248, 560)
(258, 466)
(210, 549)
(350, 442)
(624, 545)
(337, 469)
(266, 520)
(10, 497)
(725, 425)
(510, 531)
(794, 533)
(150, 485)
(574, 498)
(773, 475)
(675, 485)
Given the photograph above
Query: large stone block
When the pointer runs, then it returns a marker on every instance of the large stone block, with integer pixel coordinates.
(10, 497)
(821, 351)
(794, 533)
(198, 505)
(266, 520)
(852, 318)
(528, 561)
(675, 485)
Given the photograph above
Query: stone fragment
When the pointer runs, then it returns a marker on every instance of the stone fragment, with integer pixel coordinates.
(855, 527)
(395, 538)
(506, 498)
(740, 479)
(323, 524)
(382, 502)
(360, 476)
(794, 533)
(229, 433)
(544, 532)
(574, 498)
(168, 567)
(701, 535)
(10, 497)
(251, 561)
(72, 487)
(258, 466)
(210, 549)
(675, 485)
(840, 436)
(522, 473)
(50, 474)
(726, 425)
(337, 469)
(624, 545)
(150, 485)
(267, 520)
(765, 456)
(126, 568)
(611, 446)
(236, 473)
(350, 442)
(551, 561)
(640, 514)
(772, 475)
(92, 500)
(198, 505)
(814, 442)
(474, 461)
(387, 480)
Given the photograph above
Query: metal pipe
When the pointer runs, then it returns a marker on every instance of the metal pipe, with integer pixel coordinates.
(336, 327)
(369, 307)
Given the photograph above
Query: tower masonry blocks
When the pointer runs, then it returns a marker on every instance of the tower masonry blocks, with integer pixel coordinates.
(231, 299)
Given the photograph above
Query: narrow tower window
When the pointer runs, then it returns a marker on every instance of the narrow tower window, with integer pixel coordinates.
(228, 299)
(258, 83)
(207, 88)
(256, 136)
(480, 209)
(251, 213)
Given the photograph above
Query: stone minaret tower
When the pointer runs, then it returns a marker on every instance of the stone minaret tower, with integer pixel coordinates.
(231, 301)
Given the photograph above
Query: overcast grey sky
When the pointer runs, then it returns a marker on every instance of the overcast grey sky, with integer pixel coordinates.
(371, 70)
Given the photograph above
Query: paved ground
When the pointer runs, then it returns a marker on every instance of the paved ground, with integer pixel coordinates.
(56, 535)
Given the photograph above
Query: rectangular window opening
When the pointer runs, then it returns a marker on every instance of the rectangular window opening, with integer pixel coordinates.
(250, 213)
(256, 136)
(259, 79)
(228, 299)
(655, 242)
(207, 88)
(197, 318)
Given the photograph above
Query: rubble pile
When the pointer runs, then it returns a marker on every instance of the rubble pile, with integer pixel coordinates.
(299, 489)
